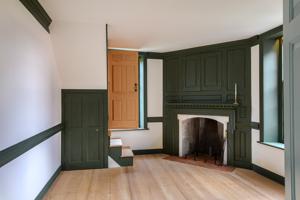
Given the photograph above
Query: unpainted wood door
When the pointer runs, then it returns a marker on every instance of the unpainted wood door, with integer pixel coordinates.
(84, 138)
(291, 41)
(123, 89)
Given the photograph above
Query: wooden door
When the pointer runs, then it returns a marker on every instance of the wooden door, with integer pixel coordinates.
(123, 89)
(291, 41)
(84, 138)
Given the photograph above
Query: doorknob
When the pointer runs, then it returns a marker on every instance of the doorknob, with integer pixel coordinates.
(97, 130)
(135, 87)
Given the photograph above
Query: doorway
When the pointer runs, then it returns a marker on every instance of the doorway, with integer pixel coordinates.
(123, 89)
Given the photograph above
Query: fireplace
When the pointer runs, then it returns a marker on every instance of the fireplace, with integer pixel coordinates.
(203, 134)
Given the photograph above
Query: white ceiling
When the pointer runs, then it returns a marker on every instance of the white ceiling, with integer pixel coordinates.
(166, 25)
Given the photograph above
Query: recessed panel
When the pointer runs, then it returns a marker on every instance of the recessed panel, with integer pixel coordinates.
(211, 72)
(236, 69)
(191, 73)
(117, 109)
(116, 81)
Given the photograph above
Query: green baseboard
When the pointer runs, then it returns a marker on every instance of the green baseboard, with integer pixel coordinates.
(147, 151)
(268, 174)
(48, 184)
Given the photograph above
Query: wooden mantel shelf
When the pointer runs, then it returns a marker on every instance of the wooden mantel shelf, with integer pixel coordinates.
(207, 106)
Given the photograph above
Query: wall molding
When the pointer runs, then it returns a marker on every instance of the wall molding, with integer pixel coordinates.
(147, 151)
(155, 119)
(255, 125)
(38, 12)
(45, 189)
(20, 148)
(268, 174)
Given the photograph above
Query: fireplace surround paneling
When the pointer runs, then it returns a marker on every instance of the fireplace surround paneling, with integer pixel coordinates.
(204, 78)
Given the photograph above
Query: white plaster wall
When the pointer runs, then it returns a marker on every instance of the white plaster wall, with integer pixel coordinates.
(267, 157)
(80, 50)
(264, 156)
(155, 87)
(30, 101)
(142, 139)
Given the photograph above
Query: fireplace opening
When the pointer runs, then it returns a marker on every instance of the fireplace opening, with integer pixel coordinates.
(203, 138)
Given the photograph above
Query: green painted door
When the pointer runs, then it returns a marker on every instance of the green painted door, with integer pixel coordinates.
(291, 40)
(84, 138)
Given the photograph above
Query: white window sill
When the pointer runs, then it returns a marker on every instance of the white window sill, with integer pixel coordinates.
(277, 145)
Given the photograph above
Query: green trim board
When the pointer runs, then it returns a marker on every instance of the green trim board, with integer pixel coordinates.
(45, 189)
(20, 148)
(268, 174)
(247, 42)
(147, 151)
(155, 119)
(255, 125)
(39, 13)
(153, 55)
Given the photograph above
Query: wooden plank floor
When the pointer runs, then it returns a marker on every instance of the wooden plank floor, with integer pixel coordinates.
(154, 178)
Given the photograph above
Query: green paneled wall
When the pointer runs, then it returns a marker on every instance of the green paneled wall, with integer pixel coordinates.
(207, 75)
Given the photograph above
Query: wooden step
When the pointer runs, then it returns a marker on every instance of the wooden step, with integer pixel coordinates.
(115, 142)
(126, 152)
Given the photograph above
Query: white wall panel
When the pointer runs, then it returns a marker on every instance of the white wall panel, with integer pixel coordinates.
(155, 87)
(30, 101)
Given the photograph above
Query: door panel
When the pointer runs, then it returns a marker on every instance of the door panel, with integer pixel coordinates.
(291, 41)
(84, 136)
(123, 89)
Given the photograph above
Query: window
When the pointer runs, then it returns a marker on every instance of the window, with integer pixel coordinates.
(272, 89)
(142, 64)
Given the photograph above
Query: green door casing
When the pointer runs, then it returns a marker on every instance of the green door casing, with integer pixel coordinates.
(84, 137)
(291, 41)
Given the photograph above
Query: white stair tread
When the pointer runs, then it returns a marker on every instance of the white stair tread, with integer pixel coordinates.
(115, 142)
(127, 152)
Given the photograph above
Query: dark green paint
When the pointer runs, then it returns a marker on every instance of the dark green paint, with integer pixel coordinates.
(155, 119)
(16, 150)
(271, 175)
(116, 152)
(152, 55)
(206, 75)
(39, 13)
(147, 151)
(84, 138)
(45, 189)
(255, 125)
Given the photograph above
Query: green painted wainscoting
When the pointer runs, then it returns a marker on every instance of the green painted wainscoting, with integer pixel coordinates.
(84, 137)
(207, 75)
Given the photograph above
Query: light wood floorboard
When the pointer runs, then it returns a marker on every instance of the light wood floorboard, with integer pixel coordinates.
(154, 178)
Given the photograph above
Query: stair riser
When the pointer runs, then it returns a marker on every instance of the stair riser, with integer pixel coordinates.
(116, 152)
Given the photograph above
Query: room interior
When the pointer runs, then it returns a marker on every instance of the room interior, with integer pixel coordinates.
(149, 99)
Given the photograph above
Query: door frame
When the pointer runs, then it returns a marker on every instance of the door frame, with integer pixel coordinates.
(105, 121)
